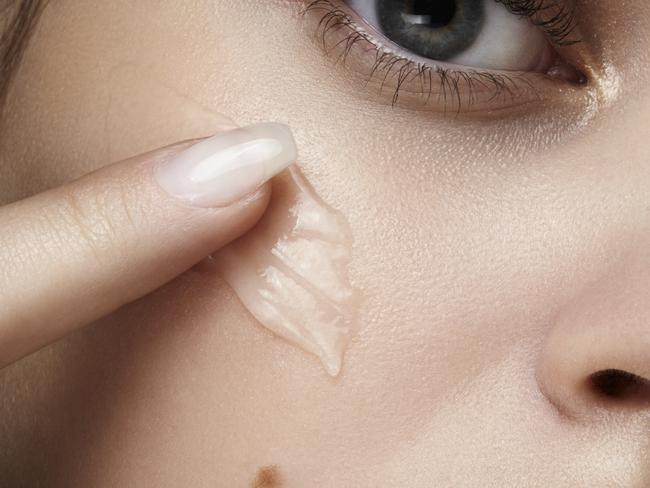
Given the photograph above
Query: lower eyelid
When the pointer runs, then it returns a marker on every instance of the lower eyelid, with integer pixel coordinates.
(416, 83)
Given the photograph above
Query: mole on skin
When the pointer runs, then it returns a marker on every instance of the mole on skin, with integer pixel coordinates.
(267, 477)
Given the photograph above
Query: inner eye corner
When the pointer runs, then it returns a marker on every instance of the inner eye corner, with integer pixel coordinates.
(619, 388)
(570, 73)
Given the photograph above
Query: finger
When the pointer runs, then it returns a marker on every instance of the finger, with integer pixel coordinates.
(74, 254)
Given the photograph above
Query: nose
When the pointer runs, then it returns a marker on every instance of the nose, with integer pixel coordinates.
(597, 353)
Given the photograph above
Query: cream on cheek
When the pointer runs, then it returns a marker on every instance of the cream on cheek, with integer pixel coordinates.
(291, 271)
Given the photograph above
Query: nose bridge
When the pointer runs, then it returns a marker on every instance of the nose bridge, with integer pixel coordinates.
(606, 327)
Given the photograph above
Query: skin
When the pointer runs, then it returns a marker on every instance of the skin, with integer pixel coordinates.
(503, 260)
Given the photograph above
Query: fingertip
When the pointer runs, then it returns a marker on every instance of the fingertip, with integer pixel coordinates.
(223, 169)
(240, 217)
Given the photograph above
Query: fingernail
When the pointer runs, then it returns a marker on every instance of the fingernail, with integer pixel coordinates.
(223, 169)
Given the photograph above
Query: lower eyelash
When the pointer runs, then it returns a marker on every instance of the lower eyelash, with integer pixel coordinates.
(456, 88)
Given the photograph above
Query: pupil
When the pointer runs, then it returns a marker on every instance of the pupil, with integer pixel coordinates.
(434, 13)
(434, 29)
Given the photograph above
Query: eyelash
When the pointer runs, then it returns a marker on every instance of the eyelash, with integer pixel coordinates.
(457, 88)
(559, 27)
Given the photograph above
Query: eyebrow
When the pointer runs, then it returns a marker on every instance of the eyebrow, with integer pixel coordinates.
(267, 477)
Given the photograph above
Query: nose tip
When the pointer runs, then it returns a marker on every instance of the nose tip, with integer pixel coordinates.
(597, 353)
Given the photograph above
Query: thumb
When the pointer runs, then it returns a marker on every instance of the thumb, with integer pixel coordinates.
(75, 253)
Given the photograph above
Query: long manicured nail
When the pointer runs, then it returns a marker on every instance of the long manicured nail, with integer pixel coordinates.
(223, 169)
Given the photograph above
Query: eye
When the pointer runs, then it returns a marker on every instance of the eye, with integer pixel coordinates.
(465, 56)
(476, 33)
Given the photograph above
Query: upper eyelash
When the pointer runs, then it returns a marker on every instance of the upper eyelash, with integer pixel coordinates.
(451, 81)
(559, 26)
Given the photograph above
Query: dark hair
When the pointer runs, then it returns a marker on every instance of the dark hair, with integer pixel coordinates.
(17, 17)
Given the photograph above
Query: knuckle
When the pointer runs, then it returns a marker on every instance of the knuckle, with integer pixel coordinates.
(97, 221)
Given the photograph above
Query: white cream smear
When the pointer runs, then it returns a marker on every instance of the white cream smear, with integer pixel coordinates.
(291, 271)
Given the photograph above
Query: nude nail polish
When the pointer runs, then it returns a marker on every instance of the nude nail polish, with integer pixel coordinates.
(221, 170)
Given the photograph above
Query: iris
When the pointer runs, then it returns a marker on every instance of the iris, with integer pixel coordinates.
(435, 29)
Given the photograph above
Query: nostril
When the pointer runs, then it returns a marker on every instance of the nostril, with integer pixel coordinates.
(621, 388)
(595, 359)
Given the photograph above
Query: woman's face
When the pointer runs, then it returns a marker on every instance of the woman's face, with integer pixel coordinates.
(503, 256)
